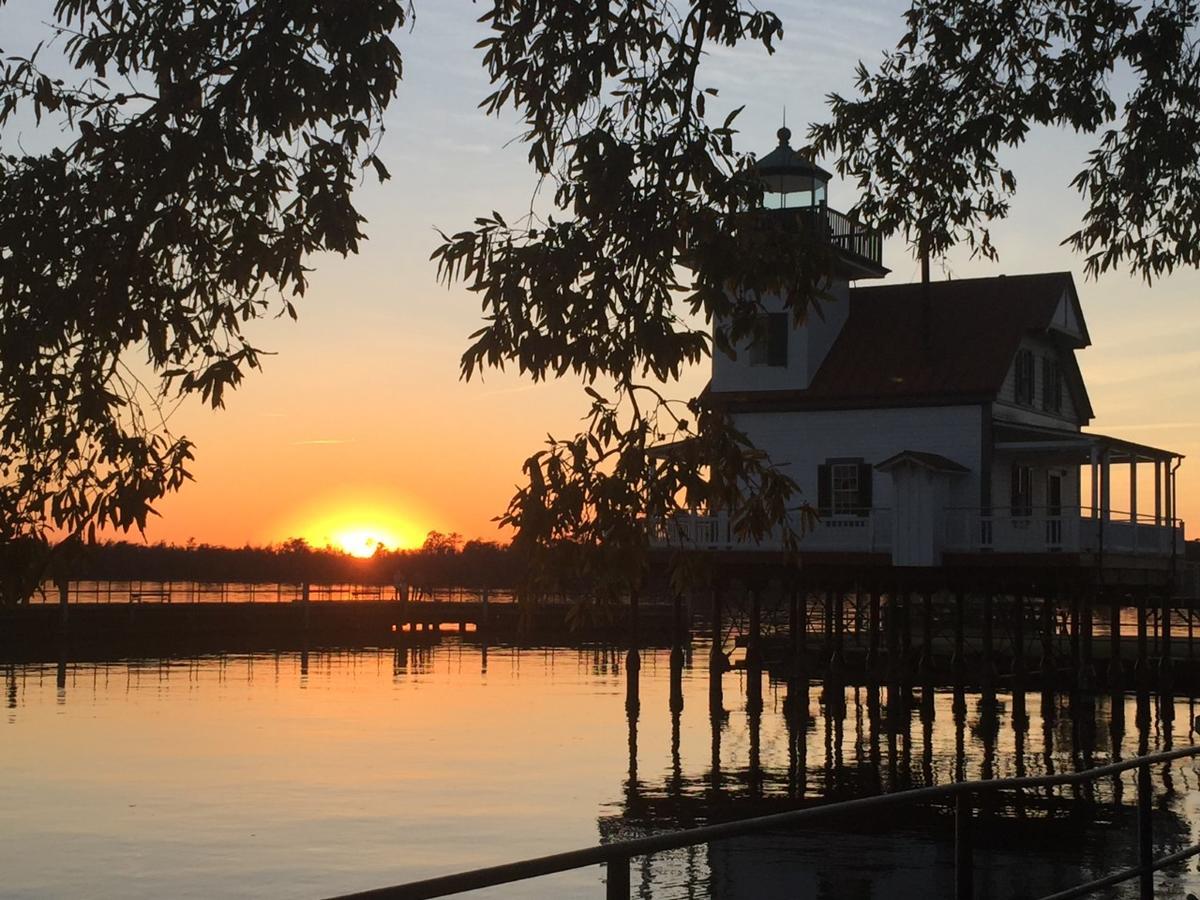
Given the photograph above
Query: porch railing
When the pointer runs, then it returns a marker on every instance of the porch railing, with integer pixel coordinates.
(616, 857)
(1072, 529)
(1020, 530)
(855, 531)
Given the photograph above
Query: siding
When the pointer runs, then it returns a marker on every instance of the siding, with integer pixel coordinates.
(805, 439)
(808, 345)
(1002, 482)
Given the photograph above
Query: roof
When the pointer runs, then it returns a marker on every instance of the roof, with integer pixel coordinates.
(883, 354)
(933, 461)
(788, 170)
(1074, 447)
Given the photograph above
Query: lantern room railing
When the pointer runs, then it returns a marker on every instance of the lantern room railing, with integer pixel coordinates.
(844, 232)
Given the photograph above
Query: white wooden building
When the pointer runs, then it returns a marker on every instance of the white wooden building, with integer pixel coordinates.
(933, 425)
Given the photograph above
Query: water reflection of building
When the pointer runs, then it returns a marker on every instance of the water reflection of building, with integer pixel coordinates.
(860, 742)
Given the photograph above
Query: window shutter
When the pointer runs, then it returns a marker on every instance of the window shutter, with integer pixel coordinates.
(1048, 382)
(777, 352)
(824, 490)
(865, 473)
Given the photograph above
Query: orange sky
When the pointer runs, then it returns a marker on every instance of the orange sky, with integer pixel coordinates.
(359, 423)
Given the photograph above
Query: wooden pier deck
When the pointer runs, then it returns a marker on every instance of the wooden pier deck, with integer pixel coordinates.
(101, 630)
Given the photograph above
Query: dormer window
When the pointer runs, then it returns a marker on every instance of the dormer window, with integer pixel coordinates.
(1023, 367)
(769, 340)
(1052, 385)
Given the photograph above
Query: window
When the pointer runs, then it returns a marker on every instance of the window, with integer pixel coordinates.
(844, 487)
(1052, 385)
(1022, 492)
(1023, 367)
(769, 340)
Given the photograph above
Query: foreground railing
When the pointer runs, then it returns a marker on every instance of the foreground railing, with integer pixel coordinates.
(616, 856)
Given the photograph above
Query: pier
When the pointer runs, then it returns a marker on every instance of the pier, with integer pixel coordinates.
(158, 618)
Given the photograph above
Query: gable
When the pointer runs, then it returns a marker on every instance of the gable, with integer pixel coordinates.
(1068, 319)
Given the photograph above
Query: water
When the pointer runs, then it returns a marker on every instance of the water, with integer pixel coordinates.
(316, 774)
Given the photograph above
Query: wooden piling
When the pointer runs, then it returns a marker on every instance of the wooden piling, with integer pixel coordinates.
(1087, 671)
(987, 672)
(716, 656)
(925, 663)
(754, 638)
(1048, 664)
(958, 663)
(754, 653)
(827, 629)
(795, 632)
(872, 659)
(1141, 668)
(1018, 638)
(633, 660)
(1116, 670)
(893, 639)
(836, 666)
(1165, 663)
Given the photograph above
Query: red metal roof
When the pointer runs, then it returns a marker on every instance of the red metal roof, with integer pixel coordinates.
(891, 350)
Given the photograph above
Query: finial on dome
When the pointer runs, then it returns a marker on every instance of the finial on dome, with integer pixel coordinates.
(784, 134)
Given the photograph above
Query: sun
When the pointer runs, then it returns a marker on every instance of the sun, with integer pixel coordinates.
(356, 525)
(363, 542)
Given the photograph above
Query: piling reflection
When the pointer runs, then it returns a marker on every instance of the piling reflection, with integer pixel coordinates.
(903, 738)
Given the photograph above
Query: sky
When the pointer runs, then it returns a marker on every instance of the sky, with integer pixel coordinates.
(359, 428)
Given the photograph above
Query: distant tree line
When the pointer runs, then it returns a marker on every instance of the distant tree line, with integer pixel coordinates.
(444, 559)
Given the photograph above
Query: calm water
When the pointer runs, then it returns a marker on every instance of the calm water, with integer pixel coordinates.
(273, 776)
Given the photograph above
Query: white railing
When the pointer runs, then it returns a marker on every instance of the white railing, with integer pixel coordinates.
(1028, 530)
(1069, 529)
(864, 531)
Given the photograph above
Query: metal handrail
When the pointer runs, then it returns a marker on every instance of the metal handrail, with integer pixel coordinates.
(617, 855)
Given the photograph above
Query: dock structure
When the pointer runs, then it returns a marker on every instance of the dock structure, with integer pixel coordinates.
(1049, 626)
(150, 621)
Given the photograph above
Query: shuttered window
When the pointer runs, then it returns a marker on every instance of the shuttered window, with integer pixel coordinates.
(1023, 367)
(769, 340)
(1052, 385)
(844, 487)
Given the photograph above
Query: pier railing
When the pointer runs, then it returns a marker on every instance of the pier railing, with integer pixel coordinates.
(616, 857)
(102, 591)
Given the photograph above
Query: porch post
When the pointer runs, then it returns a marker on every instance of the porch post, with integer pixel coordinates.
(1158, 493)
(1105, 512)
(1170, 499)
(1105, 486)
(1133, 513)
(1095, 453)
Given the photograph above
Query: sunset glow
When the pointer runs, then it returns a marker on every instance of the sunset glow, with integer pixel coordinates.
(363, 542)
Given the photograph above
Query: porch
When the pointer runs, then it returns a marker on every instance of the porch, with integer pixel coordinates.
(1063, 530)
